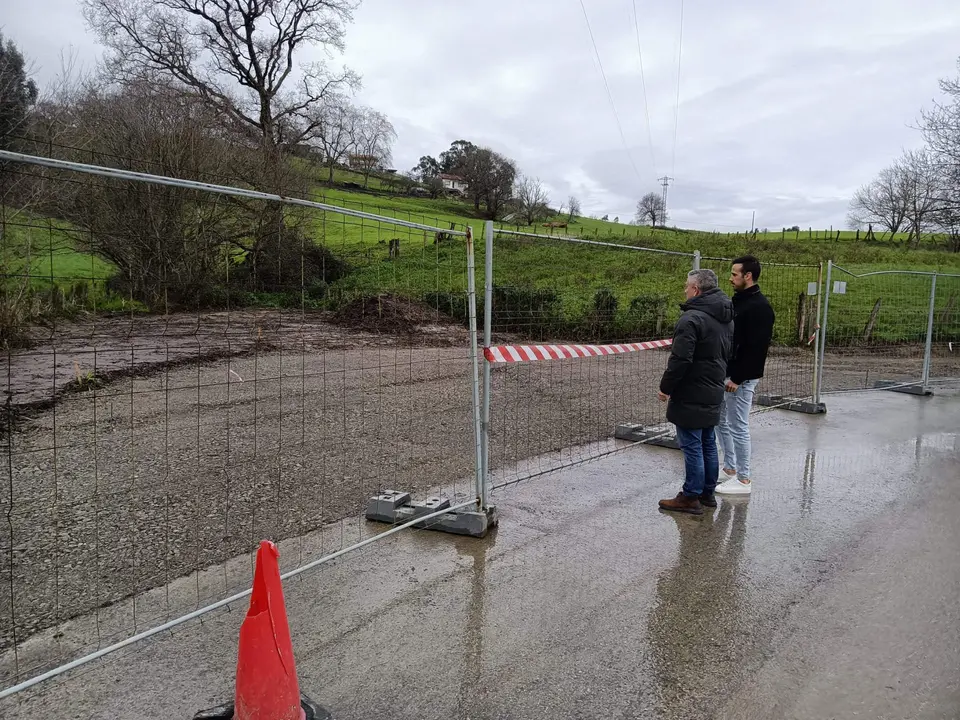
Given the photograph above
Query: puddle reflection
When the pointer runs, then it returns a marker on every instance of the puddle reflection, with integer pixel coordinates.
(700, 603)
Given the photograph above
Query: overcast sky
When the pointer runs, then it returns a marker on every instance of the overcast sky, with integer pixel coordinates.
(785, 108)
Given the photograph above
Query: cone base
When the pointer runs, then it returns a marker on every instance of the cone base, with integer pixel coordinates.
(311, 711)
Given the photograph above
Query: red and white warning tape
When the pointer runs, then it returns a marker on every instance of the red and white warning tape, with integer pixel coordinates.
(532, 353)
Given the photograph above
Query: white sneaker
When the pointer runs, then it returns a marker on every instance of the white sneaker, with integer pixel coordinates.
(723, 477)
(734, 487)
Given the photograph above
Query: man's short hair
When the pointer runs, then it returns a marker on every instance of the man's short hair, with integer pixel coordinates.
(749, 264)
(703, 279)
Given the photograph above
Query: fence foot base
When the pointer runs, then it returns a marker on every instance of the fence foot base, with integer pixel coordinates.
(396, 507)
(913, 389)
(658, 435)
(311, 711)
(783, 402)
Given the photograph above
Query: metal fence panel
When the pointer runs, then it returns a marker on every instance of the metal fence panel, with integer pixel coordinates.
(876, 329)
(793, 292)
(945, 339)
(549, 290)
(189, 370)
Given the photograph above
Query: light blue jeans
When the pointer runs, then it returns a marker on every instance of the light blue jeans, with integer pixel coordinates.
(734, 429)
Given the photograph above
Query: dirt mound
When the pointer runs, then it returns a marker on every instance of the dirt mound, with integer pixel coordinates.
(389, 313)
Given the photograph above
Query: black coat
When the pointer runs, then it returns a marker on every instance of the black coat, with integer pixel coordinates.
(697, 368)
(752, 333)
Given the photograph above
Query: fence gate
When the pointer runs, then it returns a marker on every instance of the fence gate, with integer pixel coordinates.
(878, 330)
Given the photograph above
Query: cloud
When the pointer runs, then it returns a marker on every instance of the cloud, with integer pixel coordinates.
(784, 108)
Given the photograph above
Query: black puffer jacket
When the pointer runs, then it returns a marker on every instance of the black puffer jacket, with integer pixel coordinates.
(697, 368)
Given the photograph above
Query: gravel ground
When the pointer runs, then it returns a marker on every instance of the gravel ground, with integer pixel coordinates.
(172, 467)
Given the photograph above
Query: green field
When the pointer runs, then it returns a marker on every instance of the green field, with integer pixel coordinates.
(548, 286)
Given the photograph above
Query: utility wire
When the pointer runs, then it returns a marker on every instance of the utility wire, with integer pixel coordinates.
(676, 107)
(613, 105)
(643, 83)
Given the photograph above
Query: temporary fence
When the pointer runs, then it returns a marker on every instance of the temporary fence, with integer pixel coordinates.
(790, 375)
(195, 367)
(890, 329)
(577, 339)
(577, 336)
(944, 365)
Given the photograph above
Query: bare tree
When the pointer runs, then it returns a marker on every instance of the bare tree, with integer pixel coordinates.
(650, 209)
(921, 182)
(903, 195)
(242, 58)
(335, 130)
(239, 56)
(374, 138)
(882, 201)
(574, 212)
(531, 199)
(941, 130)
(941, 124)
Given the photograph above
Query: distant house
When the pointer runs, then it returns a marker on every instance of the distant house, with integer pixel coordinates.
(454, 182)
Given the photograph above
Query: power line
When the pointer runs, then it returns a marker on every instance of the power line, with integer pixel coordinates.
(613, 105)
(643, 83)
(676, 107)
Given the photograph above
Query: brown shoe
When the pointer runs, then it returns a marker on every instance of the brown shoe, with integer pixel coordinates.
(684, 504)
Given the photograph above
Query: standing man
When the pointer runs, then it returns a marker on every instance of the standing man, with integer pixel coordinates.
(693, 385)
(753, 331)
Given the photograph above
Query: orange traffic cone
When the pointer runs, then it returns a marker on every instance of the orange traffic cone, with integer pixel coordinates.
(267, 687)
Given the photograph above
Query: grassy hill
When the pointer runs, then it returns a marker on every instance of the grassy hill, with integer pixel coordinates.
(548, 287)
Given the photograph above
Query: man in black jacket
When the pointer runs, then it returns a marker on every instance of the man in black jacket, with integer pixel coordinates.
(693, 387)
(753, 331)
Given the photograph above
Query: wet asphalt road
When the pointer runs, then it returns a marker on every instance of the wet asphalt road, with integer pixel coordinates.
(832, 592)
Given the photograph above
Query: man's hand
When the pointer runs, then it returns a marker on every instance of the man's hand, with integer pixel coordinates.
(732, 387)
(662, 396)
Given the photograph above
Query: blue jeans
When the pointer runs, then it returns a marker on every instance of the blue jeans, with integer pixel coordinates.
(734, 428)
(700, 459)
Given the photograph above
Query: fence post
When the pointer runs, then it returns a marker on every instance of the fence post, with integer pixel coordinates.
(475, 364)
(818, 336)
(823, 330)
(487, 341)
(696, 260)
(928, 350)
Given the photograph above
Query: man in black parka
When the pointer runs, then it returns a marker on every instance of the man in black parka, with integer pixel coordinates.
(693, 387)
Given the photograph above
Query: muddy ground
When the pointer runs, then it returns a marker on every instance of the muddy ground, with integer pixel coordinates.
(197, 437)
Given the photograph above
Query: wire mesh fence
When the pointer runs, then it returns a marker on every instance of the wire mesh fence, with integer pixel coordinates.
(794, 294)
(945, 339)
(876, 329)
(192, 369)
(546, 413)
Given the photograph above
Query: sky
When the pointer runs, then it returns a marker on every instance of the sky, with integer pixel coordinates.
(784, 108)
